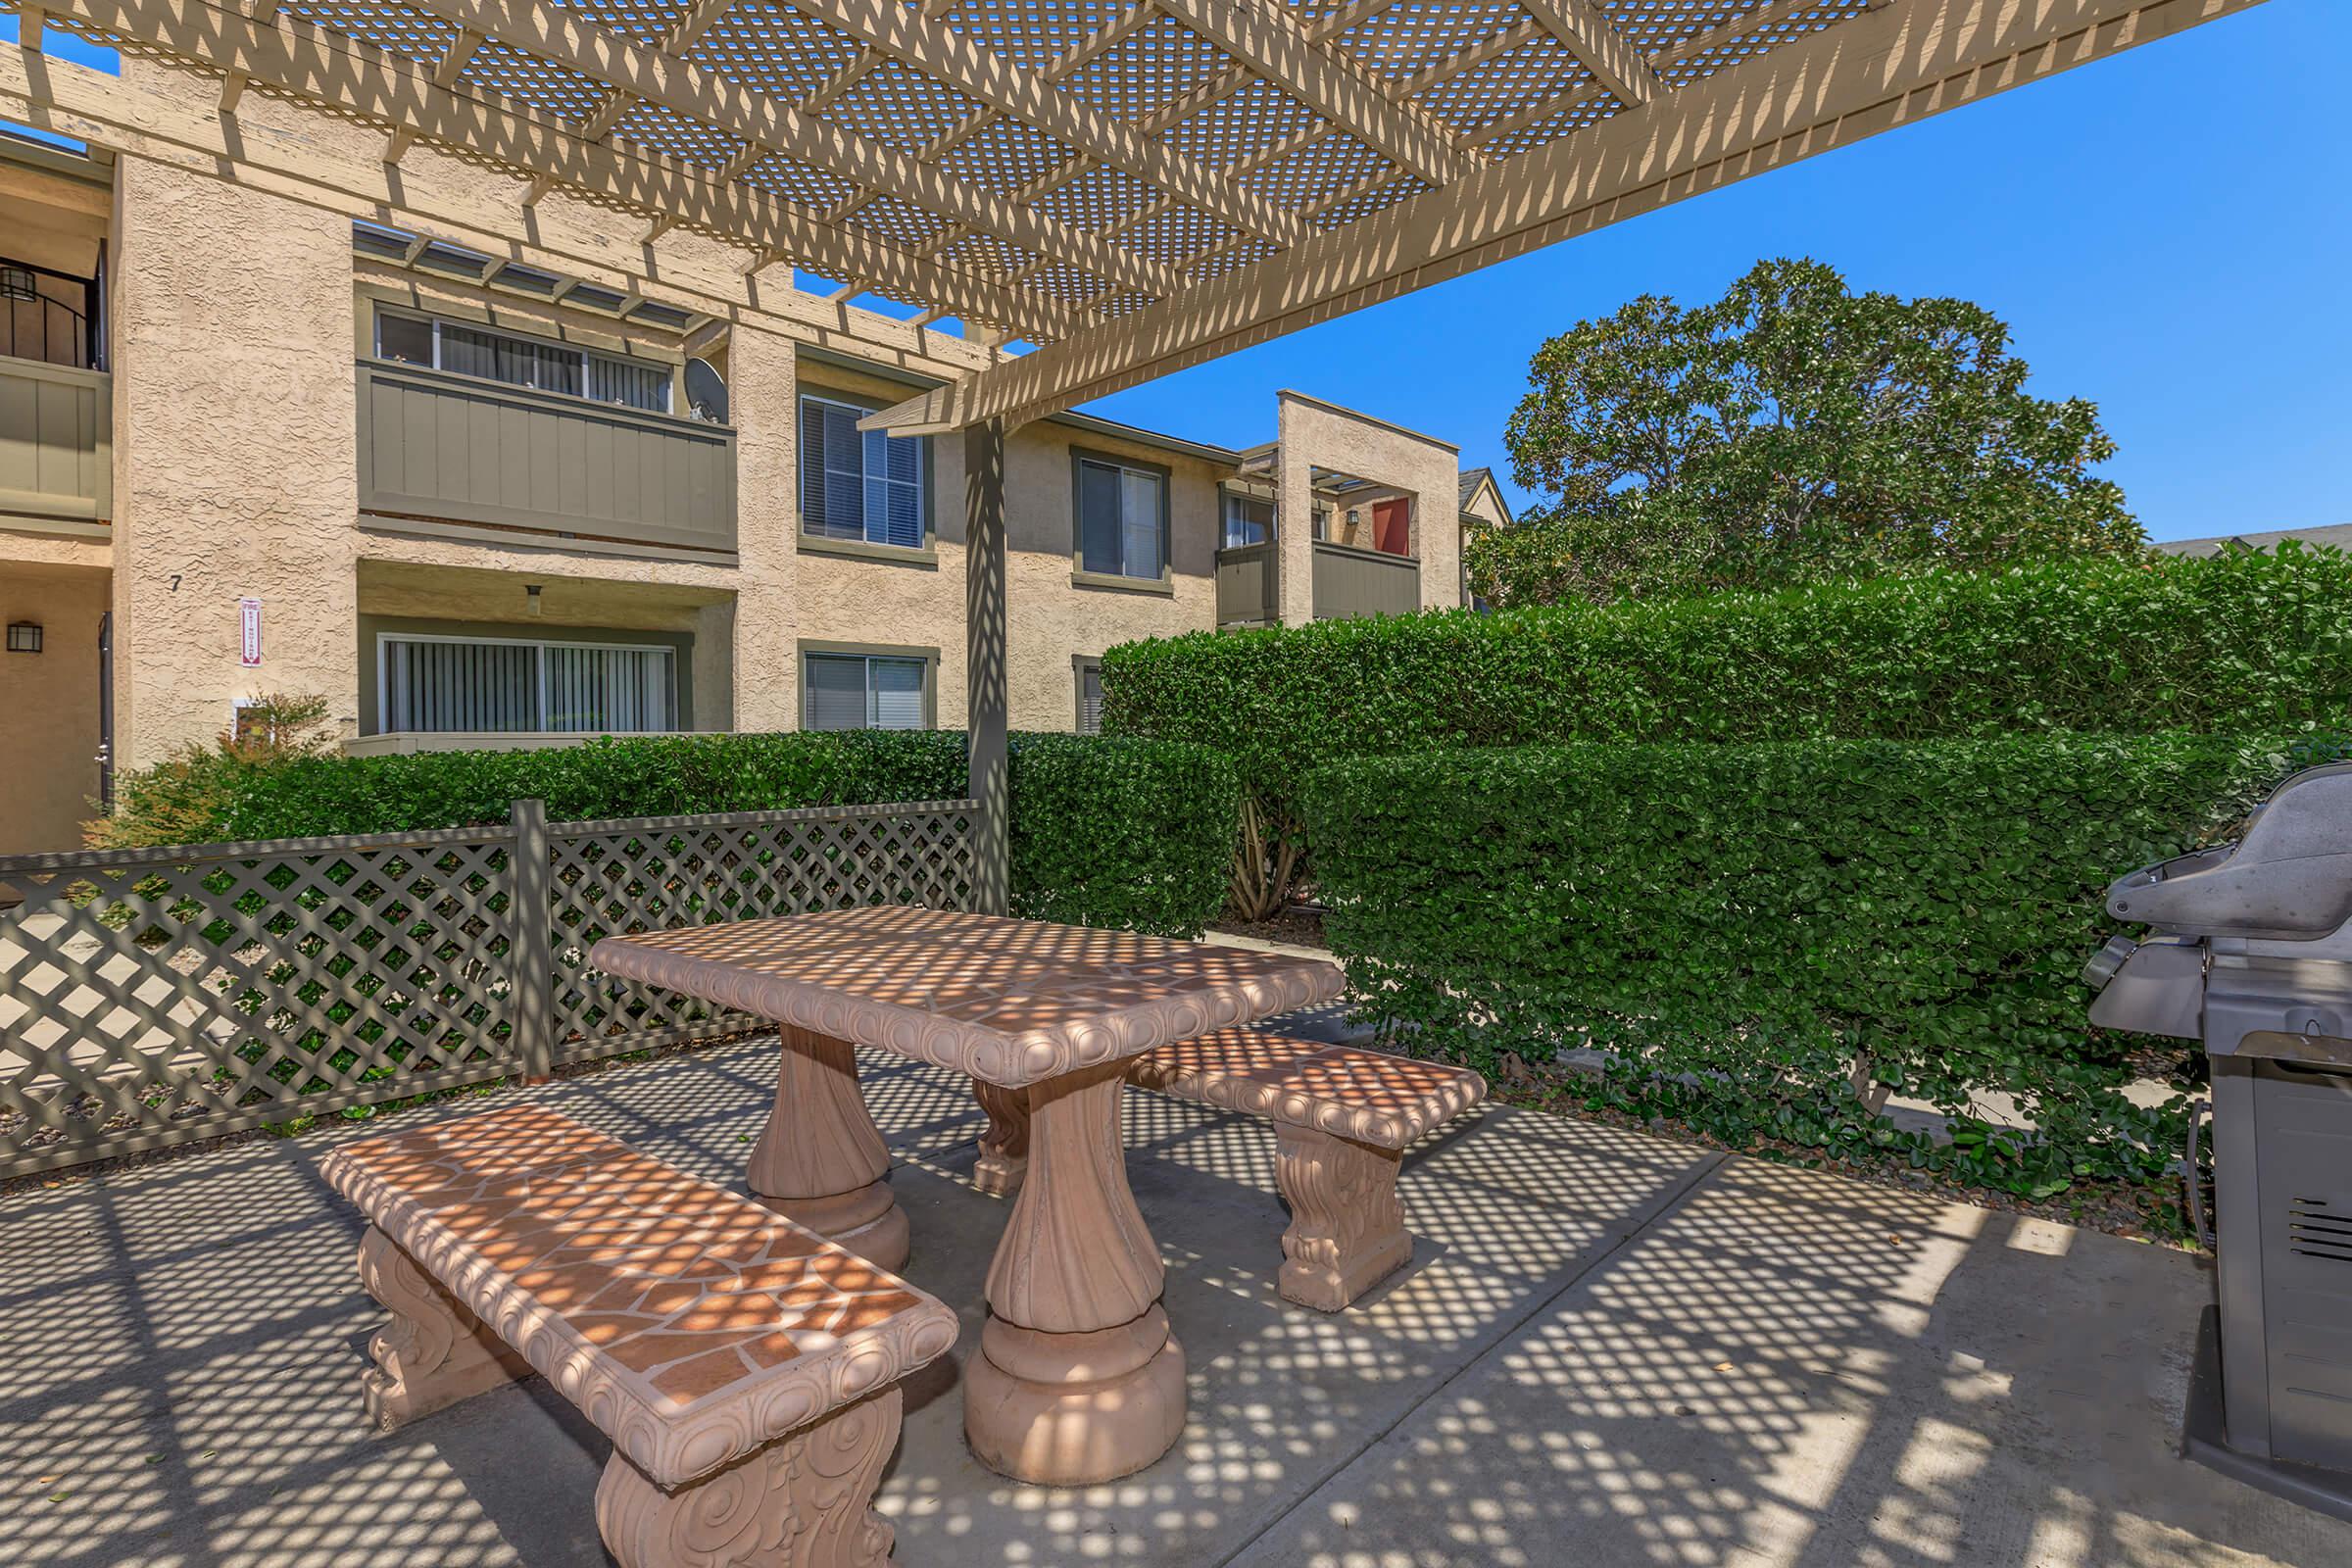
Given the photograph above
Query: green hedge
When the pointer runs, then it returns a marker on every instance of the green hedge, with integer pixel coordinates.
(1104, 831)
(2245, 643)
(1735, 927)
(606, 777)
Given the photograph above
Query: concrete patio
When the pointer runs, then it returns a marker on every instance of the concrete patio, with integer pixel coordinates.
(1609, 1349)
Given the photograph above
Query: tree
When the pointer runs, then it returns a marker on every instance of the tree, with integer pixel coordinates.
(1790, 432)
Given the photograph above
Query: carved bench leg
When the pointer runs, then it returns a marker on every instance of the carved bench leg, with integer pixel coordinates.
(1346, 1228)
(803, 1501)
(433, 1352)
(1005, 1147)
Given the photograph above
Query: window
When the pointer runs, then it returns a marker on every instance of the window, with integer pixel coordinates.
(1248, 520)
(1090, 696)
(865, 691)
(1122, 520)
(859, 484)
(557, 368)
(497, 684)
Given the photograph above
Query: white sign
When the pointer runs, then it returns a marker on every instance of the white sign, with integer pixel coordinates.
(249, 622)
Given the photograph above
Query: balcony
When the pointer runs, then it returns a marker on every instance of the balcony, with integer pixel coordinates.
(1245, 595)
(1348, 582)
(56, 446)
(1351, 583)
(444, 449)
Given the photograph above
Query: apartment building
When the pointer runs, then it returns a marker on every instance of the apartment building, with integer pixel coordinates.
(470, 495)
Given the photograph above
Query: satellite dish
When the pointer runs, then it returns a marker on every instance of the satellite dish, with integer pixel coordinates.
(706, 391)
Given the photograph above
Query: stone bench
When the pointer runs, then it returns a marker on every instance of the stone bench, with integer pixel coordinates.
(746, 1370)
(1343, 1117)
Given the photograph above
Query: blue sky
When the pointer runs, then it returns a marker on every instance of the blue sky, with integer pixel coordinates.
(2168, 233)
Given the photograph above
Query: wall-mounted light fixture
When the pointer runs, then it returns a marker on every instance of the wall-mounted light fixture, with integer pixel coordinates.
(17, 283)
(24, 636)
(530, 598)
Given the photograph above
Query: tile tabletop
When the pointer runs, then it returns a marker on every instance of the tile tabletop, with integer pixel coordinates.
(1008, 1002)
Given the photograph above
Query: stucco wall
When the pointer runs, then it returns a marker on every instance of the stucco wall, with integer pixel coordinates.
(237, 476)
(49, 707)
(1049, 618)
(1316, 434)
(919, 603)
(236, 456)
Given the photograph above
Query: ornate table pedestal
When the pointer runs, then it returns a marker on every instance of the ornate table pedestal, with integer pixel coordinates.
(1078, 1378)
(820, 1160)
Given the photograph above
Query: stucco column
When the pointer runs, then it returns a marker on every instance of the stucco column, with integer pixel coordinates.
(1295, 518)
(763, 391)
(986, 676)
(236, 467)
(1438, 539)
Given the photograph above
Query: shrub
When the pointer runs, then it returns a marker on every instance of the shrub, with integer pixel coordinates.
(2246, 643)
(1115, 832)
(1104, 832)
(188, 795)
(604, 777)
(1767, 940)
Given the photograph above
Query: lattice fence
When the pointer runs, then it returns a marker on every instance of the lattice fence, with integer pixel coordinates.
(661, 874)
(151, 996)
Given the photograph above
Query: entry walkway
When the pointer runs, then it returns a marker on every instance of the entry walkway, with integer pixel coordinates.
(1609, 1350)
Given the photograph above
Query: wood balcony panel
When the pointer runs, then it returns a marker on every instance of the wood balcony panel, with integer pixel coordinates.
(1245, 586)
(458, 449)
(1351, 583)
(56, 444)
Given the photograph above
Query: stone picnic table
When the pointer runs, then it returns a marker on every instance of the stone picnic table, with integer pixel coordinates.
(1078, 1378)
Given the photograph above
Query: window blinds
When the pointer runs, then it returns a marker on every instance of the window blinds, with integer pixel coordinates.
(1090, 700)
(859, 691)
(859, 484)
(523, 361)
(445, 684)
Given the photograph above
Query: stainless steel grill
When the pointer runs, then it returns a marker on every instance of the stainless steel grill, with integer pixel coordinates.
(2251, 953)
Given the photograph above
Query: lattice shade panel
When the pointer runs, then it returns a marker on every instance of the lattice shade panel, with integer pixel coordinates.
(527, 78)
(1246, 123)
(1005, 155)
(1412, 36)
(1534, 73)
(1748, 44)
(1190, 138)
(773, 49)
(1033, 33)
(646, 21)
(899, 107)
(1159, 64)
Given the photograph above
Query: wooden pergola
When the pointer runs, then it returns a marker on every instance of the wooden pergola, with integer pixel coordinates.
(1127, 187)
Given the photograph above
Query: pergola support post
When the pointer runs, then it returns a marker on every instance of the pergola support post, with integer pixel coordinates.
(986, 682)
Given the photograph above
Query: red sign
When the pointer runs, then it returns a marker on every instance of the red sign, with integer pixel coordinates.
(248, 623)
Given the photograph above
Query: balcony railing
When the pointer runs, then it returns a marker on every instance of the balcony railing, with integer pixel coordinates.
(1353, 582)
(55, 443)
(458, 449)
(1245, 586)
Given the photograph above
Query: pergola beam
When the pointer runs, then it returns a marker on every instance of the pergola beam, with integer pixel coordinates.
(904, 33)
(1327, 81)
(1868, 73)
(300, 60)
(1587, 32)
(652, 76)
